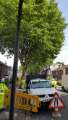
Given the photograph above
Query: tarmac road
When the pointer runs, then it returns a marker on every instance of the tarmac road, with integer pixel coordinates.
(43, 114)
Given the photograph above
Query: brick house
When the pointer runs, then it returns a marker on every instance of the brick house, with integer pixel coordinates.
(59, 72)
(65, 69)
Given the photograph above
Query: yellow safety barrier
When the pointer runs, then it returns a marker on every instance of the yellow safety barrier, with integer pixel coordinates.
(24, 101)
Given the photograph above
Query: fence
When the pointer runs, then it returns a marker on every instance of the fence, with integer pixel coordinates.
(24, 101)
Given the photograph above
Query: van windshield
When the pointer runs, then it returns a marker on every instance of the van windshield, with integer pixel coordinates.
(40, 84)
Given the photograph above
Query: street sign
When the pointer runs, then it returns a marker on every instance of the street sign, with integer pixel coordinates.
(56, 102)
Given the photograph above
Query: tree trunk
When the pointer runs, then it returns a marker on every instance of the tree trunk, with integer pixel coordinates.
(24, 68)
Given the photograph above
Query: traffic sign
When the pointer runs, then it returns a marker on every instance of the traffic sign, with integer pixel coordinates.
(56, 102)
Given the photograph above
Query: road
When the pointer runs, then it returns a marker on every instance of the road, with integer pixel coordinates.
(41, 115)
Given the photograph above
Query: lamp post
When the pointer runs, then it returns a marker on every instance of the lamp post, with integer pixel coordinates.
(14, 76)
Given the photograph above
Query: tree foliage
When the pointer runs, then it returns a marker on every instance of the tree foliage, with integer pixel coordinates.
(41, 34)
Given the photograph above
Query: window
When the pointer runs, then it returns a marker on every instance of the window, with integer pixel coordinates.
(66, 70)
(40, 84)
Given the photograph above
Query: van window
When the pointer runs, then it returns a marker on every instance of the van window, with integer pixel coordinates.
(40, 84)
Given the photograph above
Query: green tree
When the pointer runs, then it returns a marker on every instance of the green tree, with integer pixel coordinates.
(41, 34)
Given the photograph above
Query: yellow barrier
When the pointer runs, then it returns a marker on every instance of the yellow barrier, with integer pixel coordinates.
(24, 101)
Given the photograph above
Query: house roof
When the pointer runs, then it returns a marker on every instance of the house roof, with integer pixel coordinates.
(1, 63)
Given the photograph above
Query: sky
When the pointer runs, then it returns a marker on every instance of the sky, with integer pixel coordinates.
(63, 55)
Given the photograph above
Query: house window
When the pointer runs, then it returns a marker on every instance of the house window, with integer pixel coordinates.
(66, 71)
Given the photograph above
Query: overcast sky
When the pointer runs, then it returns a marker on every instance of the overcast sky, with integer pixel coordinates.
(63, 55)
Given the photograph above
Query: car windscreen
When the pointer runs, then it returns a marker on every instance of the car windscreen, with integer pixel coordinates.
(40, 84)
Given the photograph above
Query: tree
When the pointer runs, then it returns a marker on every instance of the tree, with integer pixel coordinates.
(41, 34)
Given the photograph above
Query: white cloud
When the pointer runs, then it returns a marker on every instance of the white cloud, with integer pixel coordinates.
(63, 56)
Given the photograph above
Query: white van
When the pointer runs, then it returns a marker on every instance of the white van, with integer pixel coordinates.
(41, 88)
